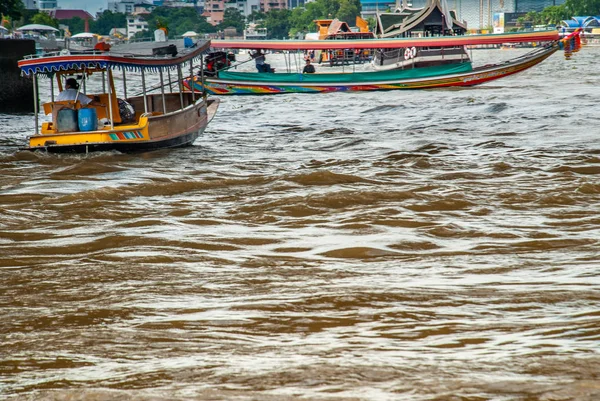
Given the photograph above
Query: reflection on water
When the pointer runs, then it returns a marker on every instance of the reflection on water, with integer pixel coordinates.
(422, 245)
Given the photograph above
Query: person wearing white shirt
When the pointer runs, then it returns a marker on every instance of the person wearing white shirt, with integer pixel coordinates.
(71, 92)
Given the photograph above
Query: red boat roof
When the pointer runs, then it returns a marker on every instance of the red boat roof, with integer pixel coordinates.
(437, 41)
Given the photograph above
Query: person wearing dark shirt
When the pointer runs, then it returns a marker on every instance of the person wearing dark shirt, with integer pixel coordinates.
(308, 68)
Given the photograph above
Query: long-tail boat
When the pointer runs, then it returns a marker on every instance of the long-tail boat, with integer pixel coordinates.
(229, 82)
(173, 117)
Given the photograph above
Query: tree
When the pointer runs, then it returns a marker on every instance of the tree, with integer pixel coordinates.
(177, 20)
(301, 21)
(107, 21)
(554, 14)
(278, 24)
(232, 17)
(348, 11)
(256, 16)
(11, 8)
(44, 19)
(582, 7)
(371, 22)
(75, 24)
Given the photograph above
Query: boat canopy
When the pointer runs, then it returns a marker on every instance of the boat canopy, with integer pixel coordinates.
(397, 43)
(49, 65)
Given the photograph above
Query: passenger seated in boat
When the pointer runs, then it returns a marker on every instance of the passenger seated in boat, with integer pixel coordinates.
(259, 59)
(71, 92)
(126, 111)
(216, 62)
(308, 68)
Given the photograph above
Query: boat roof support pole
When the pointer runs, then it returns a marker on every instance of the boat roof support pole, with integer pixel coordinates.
(296, 61)
(170, 81)
(180, 84)
(84, 80)
(162, 91)
(202, 77)
(192, 81)
(144, 91)
(35, 103)
(52, 89)
(103, 82)
(124, 84)
(110, 92)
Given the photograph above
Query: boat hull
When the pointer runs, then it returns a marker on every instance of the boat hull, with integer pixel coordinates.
(477, 76)
(177, 129)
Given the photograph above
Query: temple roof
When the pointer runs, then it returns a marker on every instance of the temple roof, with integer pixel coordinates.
(407, 19)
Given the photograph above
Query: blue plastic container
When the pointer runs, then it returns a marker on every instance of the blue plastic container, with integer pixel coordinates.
(66, 120)
(88, 120)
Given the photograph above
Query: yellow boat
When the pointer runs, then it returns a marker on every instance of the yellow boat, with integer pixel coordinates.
(173, 117)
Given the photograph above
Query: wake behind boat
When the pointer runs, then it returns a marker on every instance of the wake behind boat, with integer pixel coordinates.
(228, 82)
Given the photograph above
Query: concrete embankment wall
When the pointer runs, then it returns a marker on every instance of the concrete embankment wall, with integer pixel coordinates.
(16, 92)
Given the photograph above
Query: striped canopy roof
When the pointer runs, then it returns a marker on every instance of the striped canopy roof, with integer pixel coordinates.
(110, 60)
(438, 41)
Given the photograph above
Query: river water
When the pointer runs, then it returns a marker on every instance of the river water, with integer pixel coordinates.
(409, 245)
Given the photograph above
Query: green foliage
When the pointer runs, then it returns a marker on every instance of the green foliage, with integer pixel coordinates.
(277, 23)
(232, 17)
(348, 11)
(582, 7)
(371, 22)
(76, 25)
(256, 16)
(301, 19)
(177, 21)
(44, 19)
(555, 14)
(107, 21)
(11, 8)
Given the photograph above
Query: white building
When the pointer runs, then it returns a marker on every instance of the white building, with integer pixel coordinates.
(245, 7)
(135, 24)
(30, 4)
(47, 4)
(122, 6)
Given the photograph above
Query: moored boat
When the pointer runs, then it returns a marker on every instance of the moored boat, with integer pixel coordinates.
(145, 121)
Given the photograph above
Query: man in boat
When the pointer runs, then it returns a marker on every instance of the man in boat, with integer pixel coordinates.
(71, 92)
(259, 59)
(308, 68)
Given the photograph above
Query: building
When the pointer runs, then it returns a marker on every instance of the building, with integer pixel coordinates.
(122, 6)
(62, 15)
(478, 14)
(431, 20)
(135, 24)
(246, 7)
(47, 4)
(525, 6)
(268, 5)
(291, 4)
(214, 11)
(30, 4)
